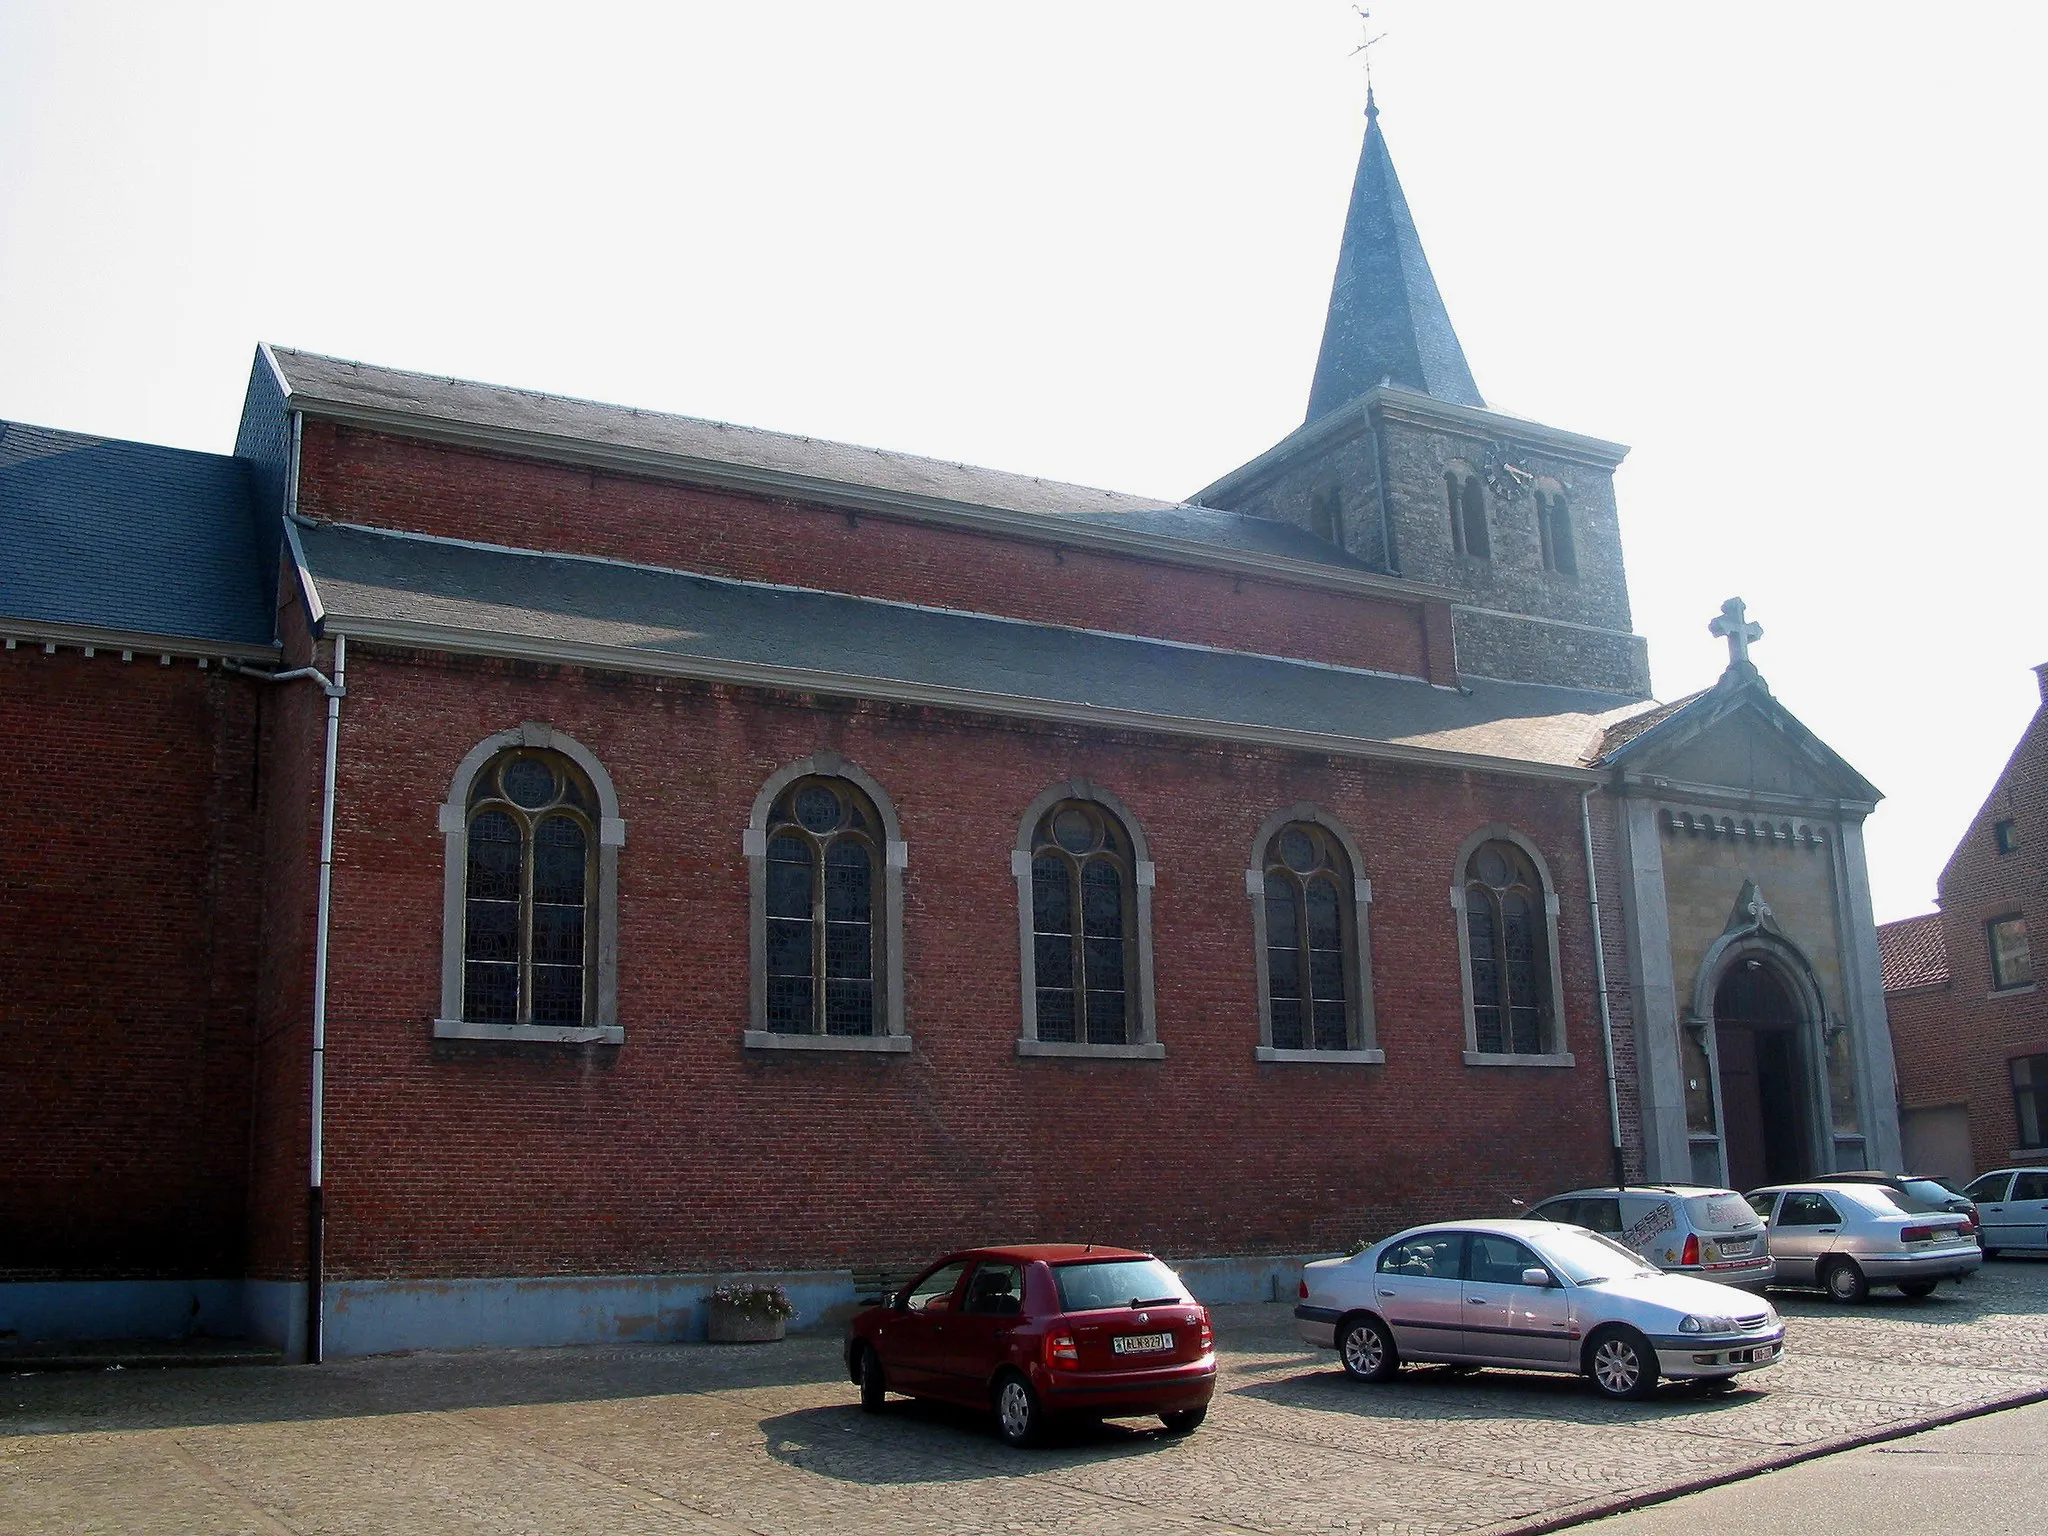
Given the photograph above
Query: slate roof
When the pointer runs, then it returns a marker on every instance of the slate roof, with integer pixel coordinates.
(130, 537)
(493, 600)
(1622, 732)
(1386, 320)
(348, 387)
(1913, 952)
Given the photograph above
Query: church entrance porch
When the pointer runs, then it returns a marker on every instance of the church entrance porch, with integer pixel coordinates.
(1767, 1125)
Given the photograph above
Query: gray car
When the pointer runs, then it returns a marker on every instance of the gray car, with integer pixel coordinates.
(2012, 1207)
(1683, 1229)
(1845, 1238)
(1534, 1295)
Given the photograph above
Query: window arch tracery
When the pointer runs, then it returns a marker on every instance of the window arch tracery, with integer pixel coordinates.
(1314, 950)
(1507, 941)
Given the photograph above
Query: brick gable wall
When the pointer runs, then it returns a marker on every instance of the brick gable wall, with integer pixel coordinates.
(1954, 1044)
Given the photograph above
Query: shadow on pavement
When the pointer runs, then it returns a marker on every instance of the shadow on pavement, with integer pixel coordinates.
(1438, 1392)
(916, 1441)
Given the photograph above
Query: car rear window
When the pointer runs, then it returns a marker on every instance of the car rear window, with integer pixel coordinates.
(1930, 1192)
(1724, 1211)
(1091, 1286)
(1881, 1199)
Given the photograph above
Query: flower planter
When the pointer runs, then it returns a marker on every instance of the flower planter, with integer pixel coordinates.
(731, 1325)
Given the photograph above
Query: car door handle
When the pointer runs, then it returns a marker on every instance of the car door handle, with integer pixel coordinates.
(1475, 1301)
(1387, 1293)
(1827, 1231)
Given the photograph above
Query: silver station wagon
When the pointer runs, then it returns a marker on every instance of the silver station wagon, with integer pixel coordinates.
(1845, 1238)
(1684, 1229)
(1534, 1295)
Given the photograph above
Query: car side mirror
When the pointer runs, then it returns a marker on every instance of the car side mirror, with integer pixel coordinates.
(1537, 1277)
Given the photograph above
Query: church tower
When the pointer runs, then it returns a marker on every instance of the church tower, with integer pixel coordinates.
(1402, 464)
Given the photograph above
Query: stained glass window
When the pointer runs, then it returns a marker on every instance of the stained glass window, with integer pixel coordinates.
(1081, 916)
(1308, 939)
(1506, 928)
(527, 920)
(824, 871)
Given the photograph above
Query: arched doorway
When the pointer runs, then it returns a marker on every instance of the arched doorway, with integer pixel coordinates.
(1766, 1124)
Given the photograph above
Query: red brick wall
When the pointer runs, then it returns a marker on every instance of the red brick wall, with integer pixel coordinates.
(391, 482)
(128, 884)
(681, 1150)
(1956, 1044)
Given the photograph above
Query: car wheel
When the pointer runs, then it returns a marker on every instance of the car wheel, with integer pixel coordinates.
(1844, 1282)
(1019, 1417)
(1367, 1349)
(1917, 1288)
(1621, 1363)
(1186, 1421)
(874, 1388)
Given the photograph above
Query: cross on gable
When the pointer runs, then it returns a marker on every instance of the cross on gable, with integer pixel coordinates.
(1738, 630)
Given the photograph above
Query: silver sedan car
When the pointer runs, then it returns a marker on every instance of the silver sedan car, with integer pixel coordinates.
(1534, 1295)
(1845, 1238)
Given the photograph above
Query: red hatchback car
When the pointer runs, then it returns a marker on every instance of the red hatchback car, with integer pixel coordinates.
(1039, 1330)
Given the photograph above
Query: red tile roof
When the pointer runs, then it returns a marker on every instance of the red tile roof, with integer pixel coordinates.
(1913, 951)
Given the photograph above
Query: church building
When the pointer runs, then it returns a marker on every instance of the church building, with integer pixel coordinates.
(486, 866)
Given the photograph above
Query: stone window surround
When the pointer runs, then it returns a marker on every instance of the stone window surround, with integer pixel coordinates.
(893, 1037)
(1474, 1057)
(1358, 971)
(603, 1027)
(1143, 873)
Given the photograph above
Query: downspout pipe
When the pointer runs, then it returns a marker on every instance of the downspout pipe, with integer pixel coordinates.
(336, 690)
(1600, 990)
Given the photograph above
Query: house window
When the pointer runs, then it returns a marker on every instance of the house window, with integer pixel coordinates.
(1554, 530)
(530, 926)
(823, 899)
(2005, 835)
(1507, 935)
(1467, 500)
(825, 865)
(1314, 948)
(2011, 965)
(2030, 1099)
(1084, 888)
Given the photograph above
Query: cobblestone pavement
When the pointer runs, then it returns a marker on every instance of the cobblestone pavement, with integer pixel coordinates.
(767, 1440)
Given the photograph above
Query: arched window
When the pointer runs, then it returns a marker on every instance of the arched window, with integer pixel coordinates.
(1315, 980)
(823, 901)
(529, 925)
(526, 933)
(1467, 502)
(1084, 887)
(1509, 954)
(1081, 909)
(1554, 530)
(825, 860)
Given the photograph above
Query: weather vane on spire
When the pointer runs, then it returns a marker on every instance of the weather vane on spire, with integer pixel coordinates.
(1365, 47)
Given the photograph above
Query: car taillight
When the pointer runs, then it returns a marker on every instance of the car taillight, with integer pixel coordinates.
(1206, 1340)
(1060, 1350)
(1304, 1288)
(1915, 1234)
(1691, 1255)
(1969, 1225)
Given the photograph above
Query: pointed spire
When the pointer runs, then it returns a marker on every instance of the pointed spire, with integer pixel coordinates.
(1386, 320)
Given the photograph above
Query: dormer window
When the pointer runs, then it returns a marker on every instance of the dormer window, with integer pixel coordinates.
(1554, 531)
(1467, 501)
(1327, 522)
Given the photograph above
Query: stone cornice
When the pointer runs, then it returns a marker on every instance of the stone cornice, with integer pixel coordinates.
(1395, 404)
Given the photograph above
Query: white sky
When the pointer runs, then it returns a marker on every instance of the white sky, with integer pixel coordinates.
(1791, 254)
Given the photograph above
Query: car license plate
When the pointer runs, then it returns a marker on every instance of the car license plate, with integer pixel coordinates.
(1140, 1343)
(1738, 1248)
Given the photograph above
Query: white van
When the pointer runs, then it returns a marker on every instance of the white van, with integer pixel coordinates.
(1689, 1229)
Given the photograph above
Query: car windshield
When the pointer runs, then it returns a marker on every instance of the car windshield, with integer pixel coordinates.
(1723, 1211)
(1587, 1258)
(1091, 1286)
